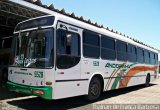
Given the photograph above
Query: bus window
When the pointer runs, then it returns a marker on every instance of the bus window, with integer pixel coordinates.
(121, 49)
(68, 49)
(91, 47)
(140, 55)
(132, 51)
(152, 60)
(146, 57)
(156, 58)
(108, 48)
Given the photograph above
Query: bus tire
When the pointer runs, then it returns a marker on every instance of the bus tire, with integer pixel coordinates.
(147, 80)
(94, 90)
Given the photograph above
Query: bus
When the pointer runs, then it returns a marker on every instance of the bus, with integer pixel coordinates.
(5, 45)
(59, 56)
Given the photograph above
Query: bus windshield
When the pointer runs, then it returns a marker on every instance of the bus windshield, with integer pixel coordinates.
(33, 49)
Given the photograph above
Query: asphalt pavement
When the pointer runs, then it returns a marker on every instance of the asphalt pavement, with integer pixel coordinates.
(128, 97)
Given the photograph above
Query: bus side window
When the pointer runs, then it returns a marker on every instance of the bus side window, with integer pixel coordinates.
(68, 49)
(121, 48)
(91, 45)
(156, 58)
(152, 60)
(140, 55)
(108, 48)
(132, 51)
(146, 57)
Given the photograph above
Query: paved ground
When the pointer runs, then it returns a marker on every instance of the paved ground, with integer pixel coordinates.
(132, 95)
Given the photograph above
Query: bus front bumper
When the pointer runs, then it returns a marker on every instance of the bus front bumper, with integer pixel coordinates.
(43, 92)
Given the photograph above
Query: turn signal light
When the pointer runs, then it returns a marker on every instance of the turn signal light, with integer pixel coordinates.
(48, 83)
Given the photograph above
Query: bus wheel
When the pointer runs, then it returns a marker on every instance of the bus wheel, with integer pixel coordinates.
(94, 91)
(147, 80)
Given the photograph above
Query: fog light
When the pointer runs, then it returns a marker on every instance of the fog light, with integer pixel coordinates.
(40, 92)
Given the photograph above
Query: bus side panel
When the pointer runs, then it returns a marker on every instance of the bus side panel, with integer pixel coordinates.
(129, 74)
(70, 89)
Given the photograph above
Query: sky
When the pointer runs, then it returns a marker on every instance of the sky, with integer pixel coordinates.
(139, 19)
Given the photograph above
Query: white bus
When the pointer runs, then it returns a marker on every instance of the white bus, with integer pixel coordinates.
(59, 56)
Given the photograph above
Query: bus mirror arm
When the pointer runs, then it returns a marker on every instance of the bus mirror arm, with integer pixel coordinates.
(63, 26)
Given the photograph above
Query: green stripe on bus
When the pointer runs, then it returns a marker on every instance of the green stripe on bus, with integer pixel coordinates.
(30, 90)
